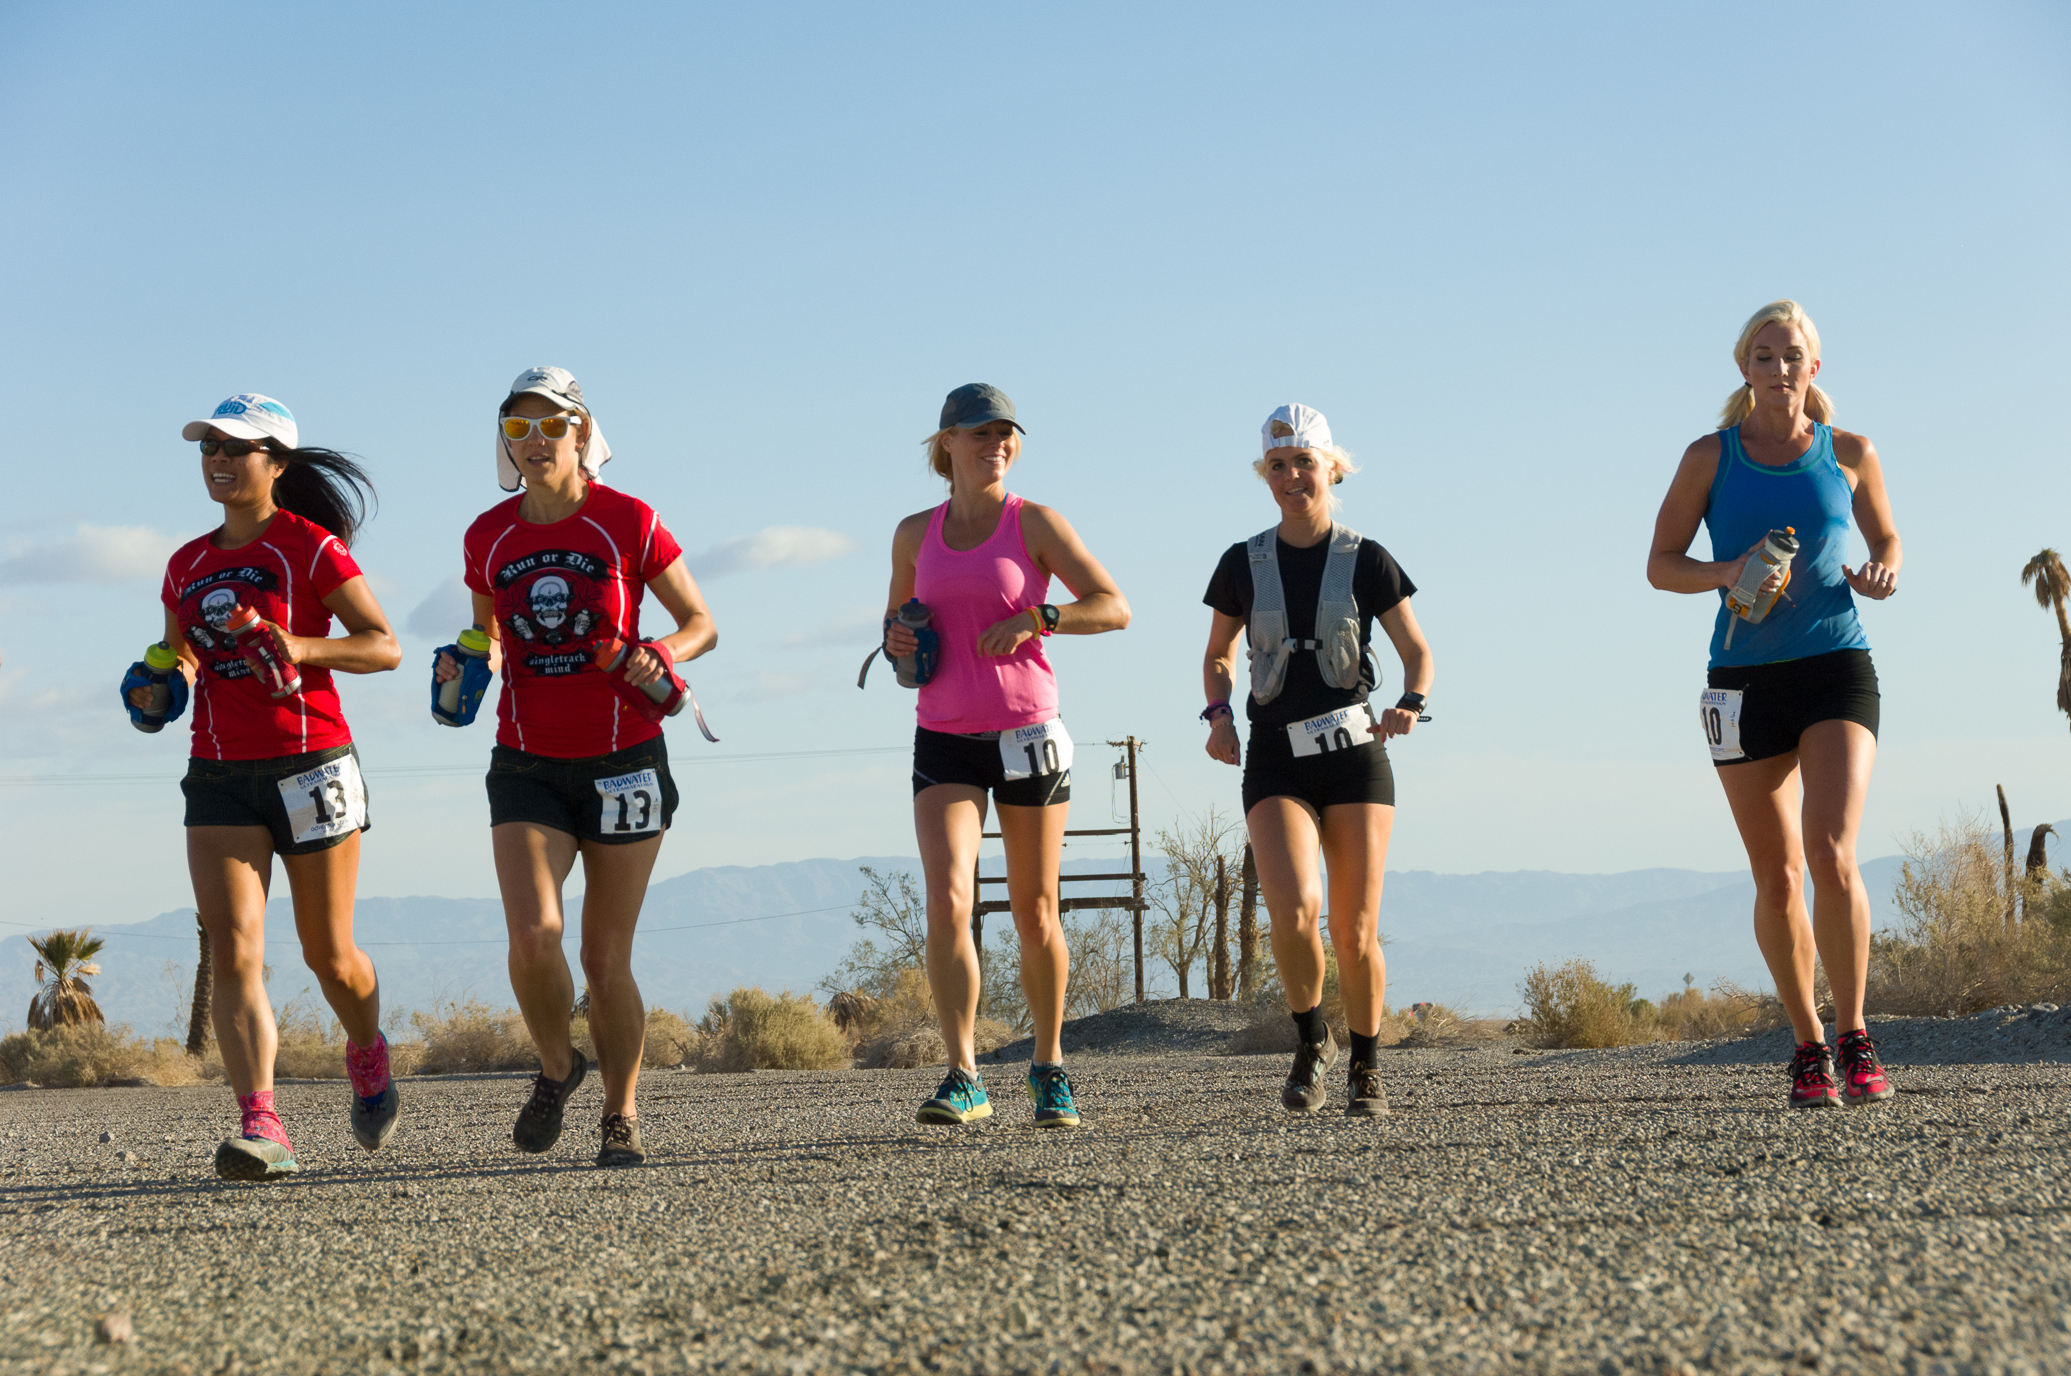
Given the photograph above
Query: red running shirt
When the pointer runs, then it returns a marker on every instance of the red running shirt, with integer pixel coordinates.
(284, 575)
(559, 589)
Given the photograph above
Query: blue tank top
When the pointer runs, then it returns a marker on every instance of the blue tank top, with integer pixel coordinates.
(1816, 614)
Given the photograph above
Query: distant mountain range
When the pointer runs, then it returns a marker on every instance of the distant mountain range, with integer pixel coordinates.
(1459, 939)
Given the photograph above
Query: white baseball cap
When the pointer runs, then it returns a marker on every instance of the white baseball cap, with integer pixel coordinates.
(247, 416)
(1295, 426)
(557, 385)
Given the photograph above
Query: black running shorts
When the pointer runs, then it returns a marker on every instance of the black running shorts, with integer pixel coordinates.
(616, 799)
(309, 802)
(1778, 701)
(1361, 775)
(942, 758)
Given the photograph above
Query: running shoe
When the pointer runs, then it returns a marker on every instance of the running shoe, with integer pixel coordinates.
(1812, 1077)
(255, 1158)
(959, 1099)
(539, 1122)
(374, 1101)
(1304, 1091)
(1051, 1091)
(1367, 1098)
(621, 1142)
(1863, 1080)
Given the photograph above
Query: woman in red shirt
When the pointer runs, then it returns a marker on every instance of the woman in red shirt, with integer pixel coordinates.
(580, 766)
(276, 774)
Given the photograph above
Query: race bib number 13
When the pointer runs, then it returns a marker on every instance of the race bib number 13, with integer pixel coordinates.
(1029, 752)
(1719, 710)
(329, 800)
(632, 803)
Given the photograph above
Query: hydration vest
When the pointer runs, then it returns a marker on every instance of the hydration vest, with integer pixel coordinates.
(1337, 616)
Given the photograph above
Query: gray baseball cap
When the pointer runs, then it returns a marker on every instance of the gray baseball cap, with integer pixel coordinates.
(559, 386)
(975, 403)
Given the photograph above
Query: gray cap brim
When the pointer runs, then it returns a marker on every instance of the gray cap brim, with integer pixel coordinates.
(974, 422)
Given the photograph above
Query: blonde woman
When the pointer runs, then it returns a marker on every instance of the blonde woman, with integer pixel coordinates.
(1791, 703)
(1307, 592)
(989, 724)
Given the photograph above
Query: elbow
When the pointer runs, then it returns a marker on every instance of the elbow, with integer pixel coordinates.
(1654, 573)
(389, 654)
(1121, 613)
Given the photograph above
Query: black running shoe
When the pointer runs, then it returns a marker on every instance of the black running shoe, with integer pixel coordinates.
(621, 1142)
(1304, 1091)
(1366, 1097)
(539, 1122)
(1812, 1077)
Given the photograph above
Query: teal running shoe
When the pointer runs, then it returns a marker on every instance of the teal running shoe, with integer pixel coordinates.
(1051, 1089)
(959, 1099)
(255, 1158)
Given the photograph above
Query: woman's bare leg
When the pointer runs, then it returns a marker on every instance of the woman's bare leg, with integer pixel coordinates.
(614, 887)
(1835, 759)
(1034, 838)
(948, 820)
(1284, 843)
(322, 884)
(231, 868)
(532, 862)
(1355, 843)
(1764, 797)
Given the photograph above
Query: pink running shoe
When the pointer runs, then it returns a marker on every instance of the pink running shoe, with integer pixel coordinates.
(374, 1099)
(1863, 1080)
(1812, 1077)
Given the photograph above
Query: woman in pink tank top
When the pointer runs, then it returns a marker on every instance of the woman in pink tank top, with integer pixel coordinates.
(981, 564)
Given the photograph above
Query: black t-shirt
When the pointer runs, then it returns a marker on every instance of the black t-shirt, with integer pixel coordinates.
(1378, 583)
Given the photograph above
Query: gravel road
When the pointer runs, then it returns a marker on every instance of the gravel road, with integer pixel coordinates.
(1651, 1209)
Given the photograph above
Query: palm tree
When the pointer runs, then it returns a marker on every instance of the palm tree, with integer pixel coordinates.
(2052, 588)
(64, 1000)
(204, 990)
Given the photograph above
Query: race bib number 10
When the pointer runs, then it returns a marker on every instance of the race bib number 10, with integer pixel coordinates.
(1719, 710)
(632, 803)
(1348, 728)
(329, 800)
(1030, 752)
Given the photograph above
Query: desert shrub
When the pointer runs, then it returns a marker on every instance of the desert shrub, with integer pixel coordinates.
(466, 1036)
(1572, 1006)
(87, 1055)
(1957, 951)
(753, 1030)
(1692, 1014)
(899, 1031)
(671, 1040)
(1434, 1024)
(1271, 1028)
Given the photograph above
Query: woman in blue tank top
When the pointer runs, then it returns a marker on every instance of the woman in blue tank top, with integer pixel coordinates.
(1791, 702)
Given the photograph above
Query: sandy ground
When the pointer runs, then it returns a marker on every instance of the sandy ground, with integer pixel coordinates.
(1650, 1209)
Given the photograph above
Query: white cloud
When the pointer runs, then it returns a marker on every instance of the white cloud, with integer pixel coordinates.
(90, 554)
(793, 547)
(446, 610)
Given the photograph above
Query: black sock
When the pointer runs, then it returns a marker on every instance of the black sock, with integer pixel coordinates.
(1365, 1049)
(1310, 1026)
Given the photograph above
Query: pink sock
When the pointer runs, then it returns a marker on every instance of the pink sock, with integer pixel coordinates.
(260, 1120)
(367, 1066)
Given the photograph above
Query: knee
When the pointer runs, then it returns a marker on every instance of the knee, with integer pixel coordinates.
(1781, 884)
(535, 945)
(602, 968)
(334, 967)
(1831, 860)
(1356, 942)
(236, 958)
(1301, 915)
(1040, 926)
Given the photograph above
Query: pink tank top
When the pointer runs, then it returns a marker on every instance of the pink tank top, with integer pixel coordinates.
(968, 590)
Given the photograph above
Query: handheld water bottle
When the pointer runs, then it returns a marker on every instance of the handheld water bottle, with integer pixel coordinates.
(664, 697)
(160, 664)
(1745, 599)
(919, 667)
(253, 641)
(455, 702)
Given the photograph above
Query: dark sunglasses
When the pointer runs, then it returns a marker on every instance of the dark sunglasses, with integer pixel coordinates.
(231, 449)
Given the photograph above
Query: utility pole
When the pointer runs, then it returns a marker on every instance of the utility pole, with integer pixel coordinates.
(1247, 928)
(1135, 866)
(1219, 968)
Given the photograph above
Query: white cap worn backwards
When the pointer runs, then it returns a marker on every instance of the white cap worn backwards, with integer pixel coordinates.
(247, 416)
(1295, 426)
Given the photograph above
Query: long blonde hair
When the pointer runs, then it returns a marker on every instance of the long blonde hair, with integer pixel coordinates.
(938, 456)
(1741, 404)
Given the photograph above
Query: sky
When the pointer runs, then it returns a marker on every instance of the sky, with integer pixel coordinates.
(1505, 248)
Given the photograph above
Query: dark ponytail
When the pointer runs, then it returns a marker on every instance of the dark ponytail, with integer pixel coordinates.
(325, 487)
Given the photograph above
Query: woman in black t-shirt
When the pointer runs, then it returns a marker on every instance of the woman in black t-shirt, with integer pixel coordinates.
(1315, 773)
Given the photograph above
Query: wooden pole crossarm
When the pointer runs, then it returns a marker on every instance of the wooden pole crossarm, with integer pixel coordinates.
(1067, 878)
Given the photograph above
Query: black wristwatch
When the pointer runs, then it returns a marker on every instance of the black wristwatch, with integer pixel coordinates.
(1412, 702)
(1050, 615)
